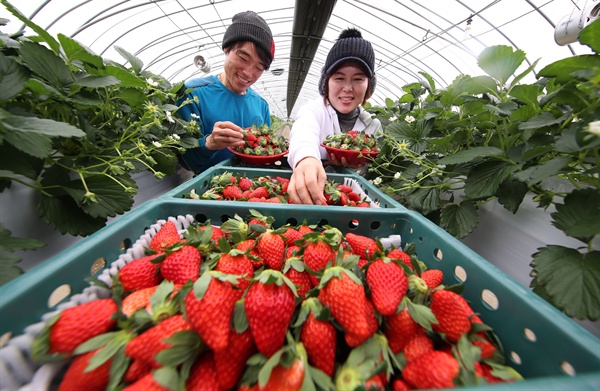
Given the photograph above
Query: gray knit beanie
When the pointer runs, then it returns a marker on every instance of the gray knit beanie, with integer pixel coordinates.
(249, 26)
(350, 46)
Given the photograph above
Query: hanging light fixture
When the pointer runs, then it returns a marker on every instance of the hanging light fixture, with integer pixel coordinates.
(201, 63)
(277, 71)
(468, 29)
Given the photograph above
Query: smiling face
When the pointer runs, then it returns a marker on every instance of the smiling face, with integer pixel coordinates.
(242, 67)
(347, 87)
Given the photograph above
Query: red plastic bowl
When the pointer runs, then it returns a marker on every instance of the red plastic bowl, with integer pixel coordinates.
(351, 156)
(254, 159)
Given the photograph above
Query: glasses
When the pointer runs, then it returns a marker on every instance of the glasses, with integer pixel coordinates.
(244, 58)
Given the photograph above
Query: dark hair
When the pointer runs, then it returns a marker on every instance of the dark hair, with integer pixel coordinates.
(250, 27)
(324, 88)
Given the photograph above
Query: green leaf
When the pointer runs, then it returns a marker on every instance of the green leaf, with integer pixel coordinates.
(76, 51)
(571, 279)
(470, 154)
(67, 217)
(48, 127)
(46, 63)
(111, 199)
(537, 173)
(480, 85)
(8, 266)
(132, 96)
(40, 31)
(426, 200)
(12, 77)
(32, 144)
(459, 219)
(127, 78)
(135, 62)
(563, 69)
(590, 36)
(430, 84)
(511, 194)
(421, 314)
(500, 62)
(97, 81)
(579, 214)
(484, 179)
(540, 121)
(167, 377)
(11, 243)
(15, 163)
(526, 93)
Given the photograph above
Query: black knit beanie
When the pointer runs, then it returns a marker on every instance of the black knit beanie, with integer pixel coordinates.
(249, 26)
(350, 46)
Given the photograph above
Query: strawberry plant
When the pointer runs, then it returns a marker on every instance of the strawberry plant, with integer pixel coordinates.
(352, 141)
(484, 138)
(262, 141)
(74, 127)
(355, 327)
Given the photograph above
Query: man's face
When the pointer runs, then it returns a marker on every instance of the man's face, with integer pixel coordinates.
(242, 67)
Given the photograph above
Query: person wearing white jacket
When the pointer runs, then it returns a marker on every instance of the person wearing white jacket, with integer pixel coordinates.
(347, 81)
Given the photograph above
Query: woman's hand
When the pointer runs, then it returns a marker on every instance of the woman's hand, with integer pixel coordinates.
(333, 161)
(308, 182)
(224, 134)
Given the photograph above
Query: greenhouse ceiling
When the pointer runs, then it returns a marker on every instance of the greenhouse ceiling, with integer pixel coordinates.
(441, 37)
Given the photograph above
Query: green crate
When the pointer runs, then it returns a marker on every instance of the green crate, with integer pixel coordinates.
(550, 350)
(201, 183)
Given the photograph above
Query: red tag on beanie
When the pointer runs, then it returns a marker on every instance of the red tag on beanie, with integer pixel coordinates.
(273, 49)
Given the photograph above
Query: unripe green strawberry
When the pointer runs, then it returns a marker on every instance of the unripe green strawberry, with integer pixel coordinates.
(74, 326)
(139, 274)
(230, 362)
(362, 245)
(166, 236)
(271, 248)
(203, 376)
(319, 340)
(209, 308)
(452, 312)
(399, 329)
(269, 309)
(435, 369)
(388, 284)
(77, 378)
(182, 265)
(147, 345)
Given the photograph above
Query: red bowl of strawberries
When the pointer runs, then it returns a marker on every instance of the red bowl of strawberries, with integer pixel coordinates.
(261, 146)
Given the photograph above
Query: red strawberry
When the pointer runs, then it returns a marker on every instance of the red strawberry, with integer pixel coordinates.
(294, 270)
(139, 274)
(77, 378)
(137, 300)
(418, 345)
(288, 378)
(249, 246)
(182, 265)
(245, 183)
(433, 278)
(75, 325)
(354, 339)
(263, 300)
(388, 284)
(400, 385)
(232, 192)
(260, 192)
(435, 369)
(230, 363)
(291, 235)
(400, 255)
(318, 338)
(343, 293)
(362, 245)
(166, 236)
(304, 229)
(246, 194)
(273, 200)
(292, 251)
(217, 232)
(271, 248)
(487, 348)
(452, 312)
(146, 383)
(209, 308)
(152, 341)
(136, 370)
(317, 253)
(237, 263)
(203, 375)
(399, 329)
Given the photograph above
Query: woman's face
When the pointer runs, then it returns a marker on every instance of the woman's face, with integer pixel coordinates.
(347, 87)
(242, 67)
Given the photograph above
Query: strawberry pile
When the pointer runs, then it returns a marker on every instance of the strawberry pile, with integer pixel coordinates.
(352, 141)
(269, 189)
(262, 141)
(246, 306)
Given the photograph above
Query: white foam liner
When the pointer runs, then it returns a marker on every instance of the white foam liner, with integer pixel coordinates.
(19, 372)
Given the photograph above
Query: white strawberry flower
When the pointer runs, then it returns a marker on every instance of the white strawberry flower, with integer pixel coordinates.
(594, 128)
(410, 119)
(169, 117)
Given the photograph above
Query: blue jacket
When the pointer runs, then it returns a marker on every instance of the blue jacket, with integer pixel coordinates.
(217, 103)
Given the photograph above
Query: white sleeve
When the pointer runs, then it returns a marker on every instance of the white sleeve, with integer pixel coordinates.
(307, 132)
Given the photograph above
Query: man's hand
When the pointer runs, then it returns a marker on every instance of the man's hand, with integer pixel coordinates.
(343, 162)
(308, 182)
(224, 134)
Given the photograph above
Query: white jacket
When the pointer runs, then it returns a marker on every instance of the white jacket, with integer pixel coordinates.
(315, 121)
